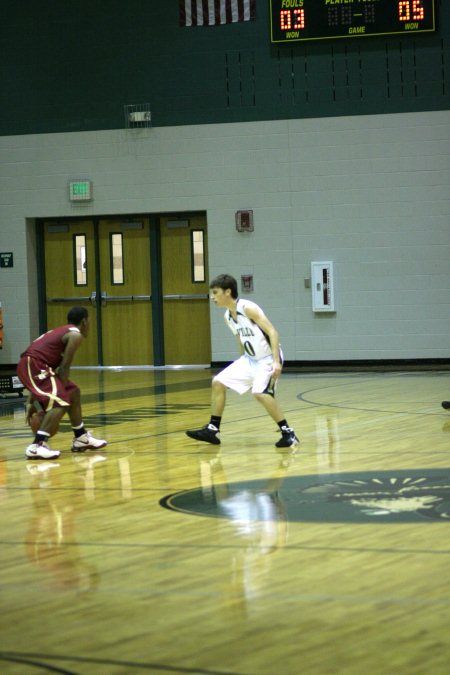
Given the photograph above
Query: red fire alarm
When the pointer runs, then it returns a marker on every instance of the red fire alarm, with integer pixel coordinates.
(247, 283)
(244, 221)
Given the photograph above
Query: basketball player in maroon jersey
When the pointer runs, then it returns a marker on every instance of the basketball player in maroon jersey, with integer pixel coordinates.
(44, 370)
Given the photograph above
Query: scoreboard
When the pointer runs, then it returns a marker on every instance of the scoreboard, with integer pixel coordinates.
(298, 20)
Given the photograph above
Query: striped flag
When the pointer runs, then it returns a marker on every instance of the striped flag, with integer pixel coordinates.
(214, 12)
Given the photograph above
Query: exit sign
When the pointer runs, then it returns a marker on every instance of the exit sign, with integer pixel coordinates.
(80, 190)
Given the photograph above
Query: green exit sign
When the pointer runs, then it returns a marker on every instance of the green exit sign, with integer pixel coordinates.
(80, 190)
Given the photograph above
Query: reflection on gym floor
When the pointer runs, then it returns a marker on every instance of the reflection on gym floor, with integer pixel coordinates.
(159, 553)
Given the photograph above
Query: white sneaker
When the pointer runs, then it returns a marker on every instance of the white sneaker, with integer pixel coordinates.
(87, 442)
(41, 451)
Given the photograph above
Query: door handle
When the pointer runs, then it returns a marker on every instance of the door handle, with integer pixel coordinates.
(118, 298)
(78, 299)
(187, 296)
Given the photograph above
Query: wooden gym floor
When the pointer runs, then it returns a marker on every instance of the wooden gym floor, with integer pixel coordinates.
(163, 555)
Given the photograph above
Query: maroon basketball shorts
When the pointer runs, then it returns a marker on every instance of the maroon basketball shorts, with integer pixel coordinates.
(44, 384)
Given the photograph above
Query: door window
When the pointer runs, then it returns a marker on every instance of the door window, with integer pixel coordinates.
(80, 259)
(116, 255)
(197, 256)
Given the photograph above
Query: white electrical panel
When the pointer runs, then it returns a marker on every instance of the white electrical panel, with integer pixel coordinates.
(322, 286)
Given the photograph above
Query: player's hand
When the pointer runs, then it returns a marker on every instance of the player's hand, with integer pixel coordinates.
(29, 412)
(276, 371)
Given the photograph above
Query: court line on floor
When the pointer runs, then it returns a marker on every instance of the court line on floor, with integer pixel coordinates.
(23, 657)
(239, 547)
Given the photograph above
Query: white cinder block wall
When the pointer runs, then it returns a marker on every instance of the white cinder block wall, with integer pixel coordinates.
(370, 193)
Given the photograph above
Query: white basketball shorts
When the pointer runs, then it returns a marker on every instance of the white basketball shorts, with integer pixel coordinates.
(246, 373)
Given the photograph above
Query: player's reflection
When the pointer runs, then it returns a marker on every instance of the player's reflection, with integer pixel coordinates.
(51, 537)
(328, 445)
(258, 519)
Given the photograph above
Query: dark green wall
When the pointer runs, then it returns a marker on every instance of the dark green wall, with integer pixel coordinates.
(73, 66)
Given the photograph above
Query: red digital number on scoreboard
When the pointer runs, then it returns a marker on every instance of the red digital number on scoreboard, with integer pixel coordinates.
(289, 23)
(411, 10)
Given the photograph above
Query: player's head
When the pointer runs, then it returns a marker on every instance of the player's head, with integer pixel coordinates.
(79, 316)
(76, 315)
(225, 282)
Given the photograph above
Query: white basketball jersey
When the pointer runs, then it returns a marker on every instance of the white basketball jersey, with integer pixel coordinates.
(255, 342)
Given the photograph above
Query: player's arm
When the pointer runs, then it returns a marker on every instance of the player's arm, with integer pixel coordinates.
(257, 315)
(240, 345)
(30, 408)
(72, 341)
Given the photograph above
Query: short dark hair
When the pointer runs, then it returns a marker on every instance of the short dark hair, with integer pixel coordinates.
(76, 315)
(225, 281)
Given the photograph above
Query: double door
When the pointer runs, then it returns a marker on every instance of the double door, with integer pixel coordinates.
(144, 282)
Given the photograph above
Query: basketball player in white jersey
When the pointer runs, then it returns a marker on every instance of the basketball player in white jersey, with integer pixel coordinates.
(258, 368)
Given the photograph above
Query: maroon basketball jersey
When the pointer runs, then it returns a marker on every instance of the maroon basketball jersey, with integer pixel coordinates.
(49, 347)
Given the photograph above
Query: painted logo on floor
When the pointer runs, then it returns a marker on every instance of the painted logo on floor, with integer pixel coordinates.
(382, 497)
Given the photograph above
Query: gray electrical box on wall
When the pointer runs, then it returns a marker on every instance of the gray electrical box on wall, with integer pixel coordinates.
(322, 286)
